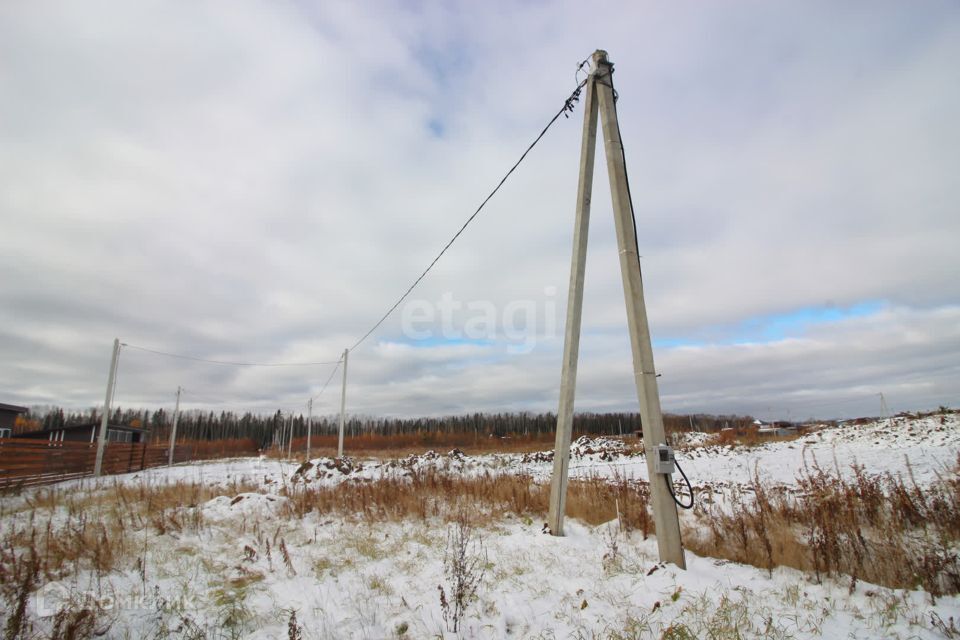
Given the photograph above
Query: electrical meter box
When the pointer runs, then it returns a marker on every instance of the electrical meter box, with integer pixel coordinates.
(663, 460)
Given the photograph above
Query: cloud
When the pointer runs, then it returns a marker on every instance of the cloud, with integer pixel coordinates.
(261, 183)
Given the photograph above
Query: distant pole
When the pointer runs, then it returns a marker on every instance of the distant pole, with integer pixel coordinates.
(309, 424)
(884, 409)
(290, 439)
(173, 431)
(343, 404)
(102, 439)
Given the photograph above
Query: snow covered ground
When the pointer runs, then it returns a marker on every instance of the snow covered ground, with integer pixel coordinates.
(248, 567)
(346, 580)
(924, 447)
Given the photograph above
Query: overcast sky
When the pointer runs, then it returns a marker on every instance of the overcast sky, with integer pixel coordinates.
(260, 181)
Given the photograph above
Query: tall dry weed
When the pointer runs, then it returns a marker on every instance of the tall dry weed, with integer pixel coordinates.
(879, 528)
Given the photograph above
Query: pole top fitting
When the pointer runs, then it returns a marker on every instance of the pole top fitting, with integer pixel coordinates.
(600, 57)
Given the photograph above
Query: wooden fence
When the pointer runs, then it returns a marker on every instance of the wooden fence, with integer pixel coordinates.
(26, 463)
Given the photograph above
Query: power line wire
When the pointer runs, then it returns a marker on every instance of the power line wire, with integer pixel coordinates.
(568, 106)
(325, 384)
(565, 110)
(230, 363)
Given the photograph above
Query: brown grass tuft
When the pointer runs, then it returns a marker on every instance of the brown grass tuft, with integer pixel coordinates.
(881, 529)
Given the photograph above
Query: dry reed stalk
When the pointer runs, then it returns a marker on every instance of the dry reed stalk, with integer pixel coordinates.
(881, 529)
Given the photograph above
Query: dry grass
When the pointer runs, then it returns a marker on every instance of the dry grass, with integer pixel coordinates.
(212, 449)
(884, 530)
(98, 530)
(748, 437)
(487, 497)
(55, 533)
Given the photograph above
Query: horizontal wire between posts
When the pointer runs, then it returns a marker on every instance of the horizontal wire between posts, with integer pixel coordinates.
(228, 362)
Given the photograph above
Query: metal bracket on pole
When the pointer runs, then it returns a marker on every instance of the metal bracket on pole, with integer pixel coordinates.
(343, 404)
(108, 400)
(600, 98)
(173, 431)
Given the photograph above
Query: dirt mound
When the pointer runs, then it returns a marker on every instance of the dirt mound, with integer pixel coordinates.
(604, 448)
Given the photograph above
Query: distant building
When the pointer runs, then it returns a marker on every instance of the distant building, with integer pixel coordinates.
(8, 416)
(88, 433)
(778, 429)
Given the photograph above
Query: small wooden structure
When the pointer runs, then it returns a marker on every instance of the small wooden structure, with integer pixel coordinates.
(88, 433)
(8, 417)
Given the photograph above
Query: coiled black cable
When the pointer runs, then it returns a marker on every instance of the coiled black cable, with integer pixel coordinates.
(689, 488)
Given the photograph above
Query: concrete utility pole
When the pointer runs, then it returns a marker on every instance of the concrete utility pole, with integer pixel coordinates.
(309, 425)
(173, 431)
(108, 400)
(343, 404)
(571, 341)
(884, 409)
(290, 439)
(666, 520)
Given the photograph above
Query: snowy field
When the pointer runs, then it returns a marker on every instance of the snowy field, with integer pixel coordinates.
(246, 568)
(922, 447)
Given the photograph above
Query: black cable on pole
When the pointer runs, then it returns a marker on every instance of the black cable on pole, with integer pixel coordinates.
(227, 362)
(568, 106)
(689, 488)
(636, 242)
(626, 174)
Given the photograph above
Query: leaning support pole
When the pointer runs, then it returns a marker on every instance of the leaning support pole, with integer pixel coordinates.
(571, 341)
(343, 404)
(665, 516)
(173, 431)
(102, 437)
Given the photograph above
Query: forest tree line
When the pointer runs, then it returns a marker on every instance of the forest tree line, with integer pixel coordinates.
(196, 424)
